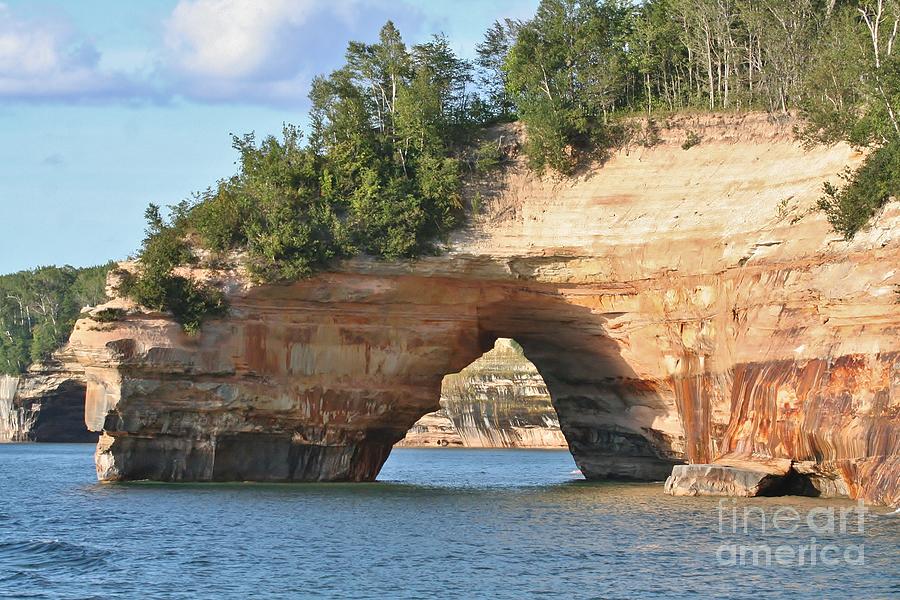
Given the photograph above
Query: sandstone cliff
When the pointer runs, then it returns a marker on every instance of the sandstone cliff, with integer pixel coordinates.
(434, 429)
(499, 401)
(44, 404)
(682, 305)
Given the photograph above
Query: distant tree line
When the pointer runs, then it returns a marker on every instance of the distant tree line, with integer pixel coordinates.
(395, 131)
(38, 309)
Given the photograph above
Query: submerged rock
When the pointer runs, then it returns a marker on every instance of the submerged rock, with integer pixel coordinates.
(741, 477)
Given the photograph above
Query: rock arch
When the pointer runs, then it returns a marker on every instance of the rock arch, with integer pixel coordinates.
(318, 380)
(44, 404)
(681, 305)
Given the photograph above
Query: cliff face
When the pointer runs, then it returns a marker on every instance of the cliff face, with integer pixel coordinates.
(44, 404)
(435, 429)
(499, 401)
(680, 305)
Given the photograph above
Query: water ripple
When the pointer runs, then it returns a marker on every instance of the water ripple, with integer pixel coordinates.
(452, 523)
(42, 555)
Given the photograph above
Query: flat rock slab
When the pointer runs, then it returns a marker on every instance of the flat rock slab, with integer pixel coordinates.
(720, 480)
(773, 466)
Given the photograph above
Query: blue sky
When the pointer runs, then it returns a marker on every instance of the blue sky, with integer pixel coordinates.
(108, 105)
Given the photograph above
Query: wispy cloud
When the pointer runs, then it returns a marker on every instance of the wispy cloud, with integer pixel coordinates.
(46, 60)
(53, 160)
(233, 39)
(263, 51)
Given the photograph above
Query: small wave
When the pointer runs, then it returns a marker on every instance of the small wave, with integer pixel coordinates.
(39, 555)
(200, 562)
(13, 577)
(576, 472)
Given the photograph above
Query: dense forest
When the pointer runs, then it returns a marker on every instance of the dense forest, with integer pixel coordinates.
(38, 309)
(396, 131)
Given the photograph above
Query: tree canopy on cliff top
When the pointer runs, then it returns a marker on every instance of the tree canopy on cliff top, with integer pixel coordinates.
(38, 309)
(392, 132)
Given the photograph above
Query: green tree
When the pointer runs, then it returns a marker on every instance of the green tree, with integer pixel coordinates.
(858, 103)
(492, 54)
(566, 73)
(850, 207)
(380, 175)
(38, 310)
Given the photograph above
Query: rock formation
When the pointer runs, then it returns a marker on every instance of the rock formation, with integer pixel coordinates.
(759, 477)
(721, 480)
(499, 401)
(681, 305)
(44, 404)
(435, 429)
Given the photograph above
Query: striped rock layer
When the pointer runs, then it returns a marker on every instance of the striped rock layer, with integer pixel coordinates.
(44, 404)
(499, 401)
(681, 306)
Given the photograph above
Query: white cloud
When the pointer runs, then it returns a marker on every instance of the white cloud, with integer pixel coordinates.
(262, 50)
(44, 60)
(246, 51)
(230, 39)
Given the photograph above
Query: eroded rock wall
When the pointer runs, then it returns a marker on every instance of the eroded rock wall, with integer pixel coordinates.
(10, 418)
(681, 305)
(434, 429)
(44, 404)
(499, 401)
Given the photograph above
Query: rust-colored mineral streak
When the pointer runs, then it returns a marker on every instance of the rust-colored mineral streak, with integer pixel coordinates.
(682, 306)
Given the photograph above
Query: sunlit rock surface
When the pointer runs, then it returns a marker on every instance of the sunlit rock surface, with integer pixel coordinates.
(44, 404)
(735, 477)
(433, 430)
(681, 305)
(499, 401)
(720, 480)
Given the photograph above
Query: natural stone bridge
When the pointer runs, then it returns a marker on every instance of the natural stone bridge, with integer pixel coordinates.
(682, 306)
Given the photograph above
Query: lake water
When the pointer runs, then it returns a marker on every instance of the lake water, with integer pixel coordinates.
(439, 524)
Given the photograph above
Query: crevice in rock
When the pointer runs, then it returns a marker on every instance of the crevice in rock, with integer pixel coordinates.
(791, 484)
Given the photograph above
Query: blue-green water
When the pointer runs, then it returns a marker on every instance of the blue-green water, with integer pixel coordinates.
(439, 524)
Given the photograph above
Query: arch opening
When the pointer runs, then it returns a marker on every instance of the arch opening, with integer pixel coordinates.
(499, 401)
(616, 424)
(44, 407)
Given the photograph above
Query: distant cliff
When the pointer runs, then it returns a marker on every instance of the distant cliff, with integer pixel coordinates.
(499, 401)
(44, 404)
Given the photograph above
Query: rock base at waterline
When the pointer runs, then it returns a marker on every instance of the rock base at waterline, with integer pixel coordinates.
(719, 480)
(777, 478)
(240, 457)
